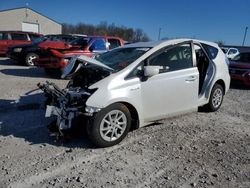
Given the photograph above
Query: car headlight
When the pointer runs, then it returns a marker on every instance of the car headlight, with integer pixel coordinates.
(91, 109)
(17, 49)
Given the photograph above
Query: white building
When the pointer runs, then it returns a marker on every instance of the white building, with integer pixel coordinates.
(26, 19)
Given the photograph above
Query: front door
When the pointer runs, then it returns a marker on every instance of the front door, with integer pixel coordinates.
(175, 89)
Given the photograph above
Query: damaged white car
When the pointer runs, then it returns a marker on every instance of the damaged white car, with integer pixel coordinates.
(137, 84)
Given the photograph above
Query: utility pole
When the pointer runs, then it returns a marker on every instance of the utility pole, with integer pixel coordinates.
(244, 36)
(159, 35)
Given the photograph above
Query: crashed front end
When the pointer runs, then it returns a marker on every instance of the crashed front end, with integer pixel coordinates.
(69, 103)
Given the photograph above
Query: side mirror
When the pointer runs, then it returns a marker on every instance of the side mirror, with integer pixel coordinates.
(150, 71)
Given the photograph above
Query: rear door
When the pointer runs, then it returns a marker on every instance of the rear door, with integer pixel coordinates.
(175, 89)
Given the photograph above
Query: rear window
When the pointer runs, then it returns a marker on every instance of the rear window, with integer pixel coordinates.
(3, 36)
(211, 51)
(18, 36)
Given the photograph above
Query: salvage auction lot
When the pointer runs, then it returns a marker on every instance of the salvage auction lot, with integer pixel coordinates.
(199, 149)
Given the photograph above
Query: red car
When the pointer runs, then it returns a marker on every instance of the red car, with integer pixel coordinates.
(239, 68)
(11, 38)
(58, 54)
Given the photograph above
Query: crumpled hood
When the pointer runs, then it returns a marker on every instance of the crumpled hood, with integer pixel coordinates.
(54, 45)
(74, 65)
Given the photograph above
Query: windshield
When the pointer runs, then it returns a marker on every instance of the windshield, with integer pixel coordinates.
(40, 39)
(242, 57)
(120, 58)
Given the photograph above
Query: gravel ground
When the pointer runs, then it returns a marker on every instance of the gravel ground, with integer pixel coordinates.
(196, 150)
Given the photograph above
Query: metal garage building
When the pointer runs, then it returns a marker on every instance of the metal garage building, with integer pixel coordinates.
(26, 19)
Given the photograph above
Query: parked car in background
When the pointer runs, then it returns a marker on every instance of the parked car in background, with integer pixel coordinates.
(230, 52)
(239, 68)
(11, 38)
(63, 37)
(137, 84)
(26, 53)
(58, 55)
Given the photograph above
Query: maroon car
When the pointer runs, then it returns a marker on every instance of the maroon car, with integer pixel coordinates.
(239, 68)
(11, 38)
(58, 54)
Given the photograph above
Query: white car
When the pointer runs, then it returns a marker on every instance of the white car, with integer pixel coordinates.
(232, 52)
(137, 84)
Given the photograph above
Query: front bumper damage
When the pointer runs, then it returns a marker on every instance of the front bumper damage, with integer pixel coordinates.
(66, 105)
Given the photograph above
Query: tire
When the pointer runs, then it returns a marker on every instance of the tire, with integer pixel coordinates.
(110, 125)
(216, 98)
(29, 59)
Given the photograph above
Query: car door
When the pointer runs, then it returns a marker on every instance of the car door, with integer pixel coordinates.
(175, 89)
(4, 40)
(19, 38)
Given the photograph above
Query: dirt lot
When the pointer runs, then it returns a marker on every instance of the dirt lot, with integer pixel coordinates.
(195, 150)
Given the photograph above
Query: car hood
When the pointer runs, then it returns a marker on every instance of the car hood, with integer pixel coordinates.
(77, 62)
(238, 64)
(54, 45)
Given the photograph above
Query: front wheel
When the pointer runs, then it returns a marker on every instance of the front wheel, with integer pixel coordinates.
(110, 125)
(216, 98)
(30, 58)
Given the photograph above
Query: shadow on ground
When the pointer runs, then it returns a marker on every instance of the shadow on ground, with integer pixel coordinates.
(24, 118)
(8, 62)
(23, 71)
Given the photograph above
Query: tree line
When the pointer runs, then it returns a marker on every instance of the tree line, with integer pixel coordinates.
(128, 34)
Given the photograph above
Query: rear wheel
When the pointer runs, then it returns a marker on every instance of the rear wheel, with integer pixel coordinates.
(30, 58)
(216, 98)
(110, 125)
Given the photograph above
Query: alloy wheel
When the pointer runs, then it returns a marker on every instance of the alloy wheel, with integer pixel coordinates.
(113, 125)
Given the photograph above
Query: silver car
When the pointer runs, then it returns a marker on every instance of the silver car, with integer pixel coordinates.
(137, 84)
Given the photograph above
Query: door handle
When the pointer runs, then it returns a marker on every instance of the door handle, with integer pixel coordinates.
(135, 88)
(191, 78)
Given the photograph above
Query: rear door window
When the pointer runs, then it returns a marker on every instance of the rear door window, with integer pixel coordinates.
(114, 43)
(18, 36)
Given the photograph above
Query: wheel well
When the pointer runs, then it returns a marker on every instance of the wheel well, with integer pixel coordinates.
(134, 115)
(221, 82)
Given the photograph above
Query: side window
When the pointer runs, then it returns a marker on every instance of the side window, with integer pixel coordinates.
(18, 36)
(99, 44)
(211, 51)
(173, 59)
(3, 36)
(114, 43)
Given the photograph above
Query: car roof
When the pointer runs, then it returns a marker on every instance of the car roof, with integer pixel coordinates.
(152, 44)
(20, 32)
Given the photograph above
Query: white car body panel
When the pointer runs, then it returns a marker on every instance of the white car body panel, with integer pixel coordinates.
(162, 95)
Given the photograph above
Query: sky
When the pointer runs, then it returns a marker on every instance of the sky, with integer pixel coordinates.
(212, 20)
